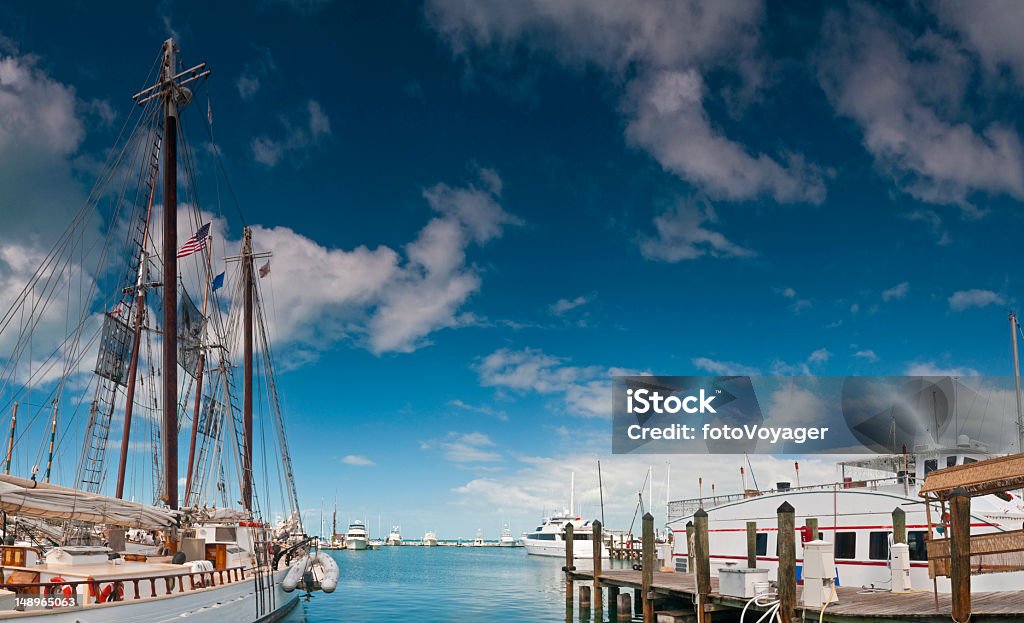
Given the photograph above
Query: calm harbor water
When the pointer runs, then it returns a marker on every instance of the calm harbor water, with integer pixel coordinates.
(441, 584)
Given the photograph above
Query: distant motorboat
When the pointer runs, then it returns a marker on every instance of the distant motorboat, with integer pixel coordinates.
(376, 544)
(356, 538)
(478, 541)
(394, 537)
(506, 539)
(429, 539)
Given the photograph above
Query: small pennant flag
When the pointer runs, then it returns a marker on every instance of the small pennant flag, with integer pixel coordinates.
(196, 243)
(118, 310)
(209, 111)
(265, 270)
(218, 282)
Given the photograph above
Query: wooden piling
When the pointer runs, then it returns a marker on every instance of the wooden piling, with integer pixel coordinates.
(689, 547)
(638, 601)
(584, 598)
(598, 602)
(751, 545)
(812, 528)
(569, 567)
(701, 561)
(613, 601)
(899, 525)
(787, 562)
(624, 608)
(648, 563)
(960, 553)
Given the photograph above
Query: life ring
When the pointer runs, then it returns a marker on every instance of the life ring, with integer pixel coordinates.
(114, 591)
(56, 588)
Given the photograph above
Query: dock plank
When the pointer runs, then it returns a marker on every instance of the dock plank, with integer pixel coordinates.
(854, 603)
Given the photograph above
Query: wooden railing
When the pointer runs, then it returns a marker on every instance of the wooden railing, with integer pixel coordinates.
(172, 582)
(991, 552)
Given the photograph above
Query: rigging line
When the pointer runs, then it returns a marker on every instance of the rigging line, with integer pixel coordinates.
(227, 180)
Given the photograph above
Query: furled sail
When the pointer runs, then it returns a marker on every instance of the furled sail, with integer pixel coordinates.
(27, 498)
(191, 326)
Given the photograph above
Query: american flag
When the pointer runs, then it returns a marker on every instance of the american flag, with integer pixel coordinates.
(196, 243)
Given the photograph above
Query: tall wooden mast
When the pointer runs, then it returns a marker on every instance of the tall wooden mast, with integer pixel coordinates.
(247, 284)
(169, 428)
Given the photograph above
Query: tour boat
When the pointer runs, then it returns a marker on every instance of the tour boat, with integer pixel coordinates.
(856, 516)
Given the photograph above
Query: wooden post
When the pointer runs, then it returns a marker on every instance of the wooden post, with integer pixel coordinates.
(648, 562)
(812, 524)
(751, 545)
(701, 560)
(613, 600)
(597, 537)
(960, 553)
(584, 599)
(638, 602)
(787, 562)
(689, 547)
(569, 567)
(899, 525)
(625, 608)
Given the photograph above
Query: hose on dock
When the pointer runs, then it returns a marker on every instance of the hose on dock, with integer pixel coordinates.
(773, 608)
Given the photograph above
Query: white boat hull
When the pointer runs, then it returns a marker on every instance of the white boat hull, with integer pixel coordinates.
(235, 602)
(556, 549)
(355, 543)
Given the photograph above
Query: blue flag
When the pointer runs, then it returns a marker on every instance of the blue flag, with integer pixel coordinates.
(218, 282)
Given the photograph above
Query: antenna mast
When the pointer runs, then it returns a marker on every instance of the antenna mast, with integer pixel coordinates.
(1014, 326)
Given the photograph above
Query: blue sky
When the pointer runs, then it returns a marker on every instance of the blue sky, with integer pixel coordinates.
(479, 212)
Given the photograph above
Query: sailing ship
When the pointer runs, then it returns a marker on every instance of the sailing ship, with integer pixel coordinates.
(133, 347)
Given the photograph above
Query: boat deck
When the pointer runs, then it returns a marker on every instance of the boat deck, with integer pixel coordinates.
(855, 604)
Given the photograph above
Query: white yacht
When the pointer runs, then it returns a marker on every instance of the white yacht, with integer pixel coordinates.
(855, 514)
(478, 540)
(430, 539)
(506, 539)
(356, 537)
(394, 537)
(548, 539)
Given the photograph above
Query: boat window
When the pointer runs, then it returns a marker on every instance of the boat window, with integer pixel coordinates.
(225, 534)
(762, 544)
(580, 537)
(916, 540)
(968, 460)
(846, 545)
(548, 536)
(931, 465)
(878, 545)
(950, 461)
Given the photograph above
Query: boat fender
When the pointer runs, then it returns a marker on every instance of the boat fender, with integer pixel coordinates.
(638, 567)
(179, 559)
(329, 582)
(568, 569)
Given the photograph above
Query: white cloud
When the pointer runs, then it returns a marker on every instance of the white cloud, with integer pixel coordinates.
(724, 368)
(867, 355)
(898, 291)
(789, 293)
(255, 72)
(682, 234)
(965, 299)
(357, 460)
(300, 136)
(661, 51)
(817, 357)
(563, 306)
(930, 368)
(481, 409)
(584, 391)
(901, 91)
(472, 447)
(991, 29)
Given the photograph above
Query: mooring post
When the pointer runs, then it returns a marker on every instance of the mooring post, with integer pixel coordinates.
(568, 570)
(689, 547)
(751, 545)
(648, 562)
(638, 602)
(812, 528)
(960, 553)
(597, 537)
(613, 601)
(584, 600)
(624, 607)
(899, 525)
(787, 562)
(701, 561)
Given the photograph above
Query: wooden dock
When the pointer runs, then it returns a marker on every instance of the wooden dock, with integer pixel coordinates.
(855, 605)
